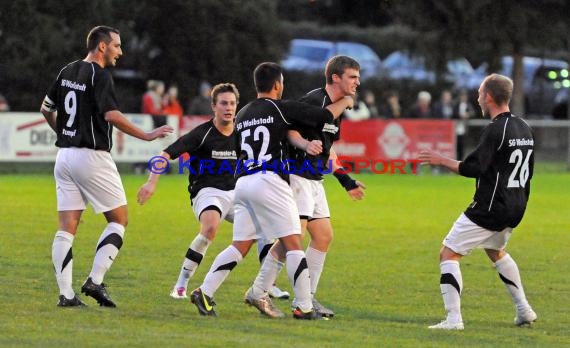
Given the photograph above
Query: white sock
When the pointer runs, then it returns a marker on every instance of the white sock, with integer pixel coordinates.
(221, 268)
(451, 284)
(265, 279)
(108, 247)
(193, 258)
(298, 273)
(263, 247)
(315, 262)
(62, 258)
(509, 274)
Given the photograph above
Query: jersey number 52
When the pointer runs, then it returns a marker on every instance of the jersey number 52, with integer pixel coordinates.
(259, 133)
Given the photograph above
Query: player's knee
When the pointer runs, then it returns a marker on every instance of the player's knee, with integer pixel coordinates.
(119, 215)
(322, 236)
(495, 255)
(209, 231)
(124, 221)
(326, 239)
(446, 254)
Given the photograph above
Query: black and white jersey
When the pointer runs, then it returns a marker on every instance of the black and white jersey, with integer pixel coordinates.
(212, 160)
(503, 164)
(82, 93)
(329, 133)
(262, 127)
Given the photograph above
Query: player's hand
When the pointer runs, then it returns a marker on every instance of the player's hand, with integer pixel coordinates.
(314, 147)
(430, 157)
(357, 193)
(145, 192)
(160, 132)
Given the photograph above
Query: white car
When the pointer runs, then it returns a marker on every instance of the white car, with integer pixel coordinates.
(312, 55)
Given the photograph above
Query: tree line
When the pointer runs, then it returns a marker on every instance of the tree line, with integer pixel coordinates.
(186, 41)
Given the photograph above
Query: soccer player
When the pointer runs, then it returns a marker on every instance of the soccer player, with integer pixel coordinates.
(81, 107)
(262, 195)
(212, 147)
(502, 165)
(211, 177)
(342, 74)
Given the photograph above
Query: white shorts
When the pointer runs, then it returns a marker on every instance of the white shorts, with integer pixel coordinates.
(87, 176)
(208, 196)
(465, 236)
(266, 201)
(310, 197)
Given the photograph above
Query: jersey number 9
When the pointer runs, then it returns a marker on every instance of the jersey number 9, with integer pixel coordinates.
(70, 104)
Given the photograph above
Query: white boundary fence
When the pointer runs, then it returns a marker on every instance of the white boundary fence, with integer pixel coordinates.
(26, 137)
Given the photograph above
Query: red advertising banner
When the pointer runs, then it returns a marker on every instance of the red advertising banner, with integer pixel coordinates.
(395, 139)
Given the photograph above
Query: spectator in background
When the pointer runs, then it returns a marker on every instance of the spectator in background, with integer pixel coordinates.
(391, 107)
(422, 107)
(443, 108)
(202, 104)
(152, 102)
(462, 111)
(4, 104)
(171, 105)
(359, 112)
(370, 101)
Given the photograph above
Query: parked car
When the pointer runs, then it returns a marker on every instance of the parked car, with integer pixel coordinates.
(543, 79)
(560, 109)
(312, 55)
(401, 65)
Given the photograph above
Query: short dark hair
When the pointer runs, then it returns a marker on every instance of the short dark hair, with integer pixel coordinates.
(337, 65)
(223, 88)
(98, 34)
(500, 88)
(265, 75)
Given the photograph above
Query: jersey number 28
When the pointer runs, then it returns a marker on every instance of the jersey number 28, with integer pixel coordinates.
(520, 173)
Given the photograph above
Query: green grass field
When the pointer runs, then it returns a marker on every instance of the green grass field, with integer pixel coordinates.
(381, 276)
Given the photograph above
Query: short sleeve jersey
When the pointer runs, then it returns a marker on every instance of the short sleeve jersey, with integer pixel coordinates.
(212, 157)
(262, 127)
(82, 93)
(503, 165)
(329, 133)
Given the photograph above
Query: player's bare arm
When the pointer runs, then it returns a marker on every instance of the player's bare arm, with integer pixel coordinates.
(50, 117)
(313, 147)
(339, 106)
(123, 124)
(354, 188)
(429, 157)
(147, 189)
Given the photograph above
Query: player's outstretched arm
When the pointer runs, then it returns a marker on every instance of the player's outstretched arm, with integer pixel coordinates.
(354, 188)
(147, 189)
(337, 108)
(123, 124)
(433, 158)
(313, 147)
